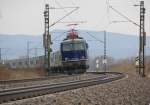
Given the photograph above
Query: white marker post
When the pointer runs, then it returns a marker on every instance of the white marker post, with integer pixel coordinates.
(137, 63)
(97, 65)
(104, 63)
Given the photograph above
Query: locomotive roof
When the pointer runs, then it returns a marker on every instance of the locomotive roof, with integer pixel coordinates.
(73, 40)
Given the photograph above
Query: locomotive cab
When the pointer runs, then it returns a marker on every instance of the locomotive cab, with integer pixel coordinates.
(74, 52)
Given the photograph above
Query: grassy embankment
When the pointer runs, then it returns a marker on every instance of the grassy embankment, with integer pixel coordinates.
(128, 66)
(8, 74)
(124, 65)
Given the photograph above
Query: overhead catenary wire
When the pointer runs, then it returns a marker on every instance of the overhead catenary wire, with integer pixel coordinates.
(118, 21)
(127, 18)
(105, 16)
(61, 8)
(64, 8)
(59, 36)
(95, 37)
(63, 33)
(76, 8)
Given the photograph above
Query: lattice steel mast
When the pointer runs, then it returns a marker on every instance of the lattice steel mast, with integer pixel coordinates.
(105, 56)
(142, 40)
(47, 38)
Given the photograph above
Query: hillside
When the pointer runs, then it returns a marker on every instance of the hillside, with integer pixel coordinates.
(118, 45)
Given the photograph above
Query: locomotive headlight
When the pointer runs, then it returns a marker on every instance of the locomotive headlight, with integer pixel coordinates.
(82, 57)
(66, 59)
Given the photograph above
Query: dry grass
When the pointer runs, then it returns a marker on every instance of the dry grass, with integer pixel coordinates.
(7, 74)
(123, 66)
(128, 66)
(148, 65)
(4, 73)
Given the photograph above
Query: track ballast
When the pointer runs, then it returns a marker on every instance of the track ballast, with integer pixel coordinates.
(33, 91)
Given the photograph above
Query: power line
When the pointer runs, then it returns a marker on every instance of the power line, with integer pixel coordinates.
(58, 36)
(86, 40)
(63, 8)
(127, 18)
(75, 8)
(94, 37)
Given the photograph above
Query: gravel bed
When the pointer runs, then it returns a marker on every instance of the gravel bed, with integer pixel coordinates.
(133, 90)
(48, 81)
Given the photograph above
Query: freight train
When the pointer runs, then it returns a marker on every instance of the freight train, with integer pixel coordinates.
(72, 57)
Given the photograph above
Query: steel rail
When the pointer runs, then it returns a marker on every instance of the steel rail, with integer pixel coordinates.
(36, 79)
(43, 78)
(32, 91)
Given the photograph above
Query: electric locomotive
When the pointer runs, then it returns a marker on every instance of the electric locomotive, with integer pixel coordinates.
(74, 53)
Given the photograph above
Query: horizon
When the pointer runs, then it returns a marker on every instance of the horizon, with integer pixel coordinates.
(23, 34)
(17, 45)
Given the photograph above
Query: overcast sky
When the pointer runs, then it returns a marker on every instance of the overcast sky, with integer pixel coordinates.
(26, 16)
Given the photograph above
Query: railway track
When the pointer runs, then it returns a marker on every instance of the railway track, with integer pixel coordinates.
(35, 79)
(33, 91)
(49, 80)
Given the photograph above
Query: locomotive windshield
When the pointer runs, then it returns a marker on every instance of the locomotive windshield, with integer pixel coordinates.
(73, 46)
(67, 47)
(78, 46)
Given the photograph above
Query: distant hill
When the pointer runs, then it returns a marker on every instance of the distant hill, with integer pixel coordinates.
(15, 46)
(118, 45)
